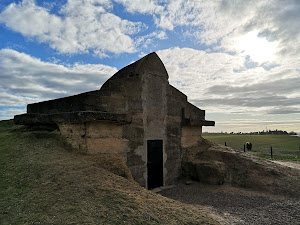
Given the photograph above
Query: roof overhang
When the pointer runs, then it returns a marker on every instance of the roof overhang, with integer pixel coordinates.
(198, 122)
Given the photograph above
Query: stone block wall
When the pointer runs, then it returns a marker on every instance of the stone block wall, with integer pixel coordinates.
(191, 136)
(89, 101)
(74, 134)
(96, 137)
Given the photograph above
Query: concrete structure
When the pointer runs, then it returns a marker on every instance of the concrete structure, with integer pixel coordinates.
(136, 114)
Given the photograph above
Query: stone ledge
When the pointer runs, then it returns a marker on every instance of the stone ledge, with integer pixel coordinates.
(79, 116)
(198, 122)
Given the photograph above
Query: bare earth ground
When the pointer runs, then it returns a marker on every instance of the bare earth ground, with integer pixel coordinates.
(295, 165)
(237, 205)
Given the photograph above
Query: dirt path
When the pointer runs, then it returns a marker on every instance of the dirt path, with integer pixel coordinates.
(238, 206)
(295, 165)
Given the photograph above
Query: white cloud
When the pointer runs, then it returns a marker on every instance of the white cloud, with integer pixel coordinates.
(83, 26)
(223, 23)
(25, 79)
(195, 68)
(217, 81)
(236, 97)
(147, 40)
(8, 112)
(275, 21)
(89, 26)
(142, 6)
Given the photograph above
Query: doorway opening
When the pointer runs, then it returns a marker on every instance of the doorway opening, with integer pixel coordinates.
(155, 163)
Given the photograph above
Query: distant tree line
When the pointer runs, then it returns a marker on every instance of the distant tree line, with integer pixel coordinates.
(268, 132)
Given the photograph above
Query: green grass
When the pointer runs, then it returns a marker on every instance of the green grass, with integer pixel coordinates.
(43, 182)
(284, 147)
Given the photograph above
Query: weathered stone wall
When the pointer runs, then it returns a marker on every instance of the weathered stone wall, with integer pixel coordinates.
(124, 96)
(74, 134)
(180, 135)
(176, 101)
(136, 158)
(126, 87)
(89, 101)
(105, 137)
(142, 87)
(96, 137)
(193, 113)
(154, 97)
(191, 136)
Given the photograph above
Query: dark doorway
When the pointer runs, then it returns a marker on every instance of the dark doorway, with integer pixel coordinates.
(155, 163)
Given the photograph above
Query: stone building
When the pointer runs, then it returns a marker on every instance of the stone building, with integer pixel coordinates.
(136, 114)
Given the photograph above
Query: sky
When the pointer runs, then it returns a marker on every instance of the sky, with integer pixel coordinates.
(237, 59)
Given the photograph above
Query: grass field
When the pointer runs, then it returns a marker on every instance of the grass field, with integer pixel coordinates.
(44, 182)
(284, 147)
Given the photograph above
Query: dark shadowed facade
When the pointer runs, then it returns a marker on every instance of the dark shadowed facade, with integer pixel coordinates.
(136, 114)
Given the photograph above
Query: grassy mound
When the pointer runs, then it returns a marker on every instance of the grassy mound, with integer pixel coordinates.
(216, 164)
(42, 182)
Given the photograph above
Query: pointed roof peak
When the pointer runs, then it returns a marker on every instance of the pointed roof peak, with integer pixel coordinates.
(150, 63)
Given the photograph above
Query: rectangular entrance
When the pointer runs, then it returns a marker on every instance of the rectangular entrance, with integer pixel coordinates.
(155, 163)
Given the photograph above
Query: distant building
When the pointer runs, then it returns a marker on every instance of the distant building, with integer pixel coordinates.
(136, 114)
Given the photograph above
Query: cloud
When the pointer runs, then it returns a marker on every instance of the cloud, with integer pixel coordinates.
(193, 71)
(147, 40)
(81, 26)
(168, 14)
(8, 112)
(25, 79)
(91, 26)
(276, 21)
(141, 6)
(269, 101)
(212, 82)
(288, 110)
(273, 88)
(222, 24)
